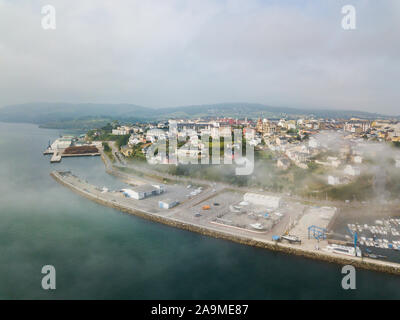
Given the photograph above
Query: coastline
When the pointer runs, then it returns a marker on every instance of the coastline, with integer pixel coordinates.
(364, 263)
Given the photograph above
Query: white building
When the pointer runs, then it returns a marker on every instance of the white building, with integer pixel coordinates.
(214, 132)
(357, 159)
(134, 139)
(262, 200)
(352, 171)
(121, 131)
(167, 203)
(250, 134)
(254, 142)
(143, 191)
(225, 132)
(282, 123)
(333, 180)
(334, 161)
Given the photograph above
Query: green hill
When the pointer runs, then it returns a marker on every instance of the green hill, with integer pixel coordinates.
(91, 115)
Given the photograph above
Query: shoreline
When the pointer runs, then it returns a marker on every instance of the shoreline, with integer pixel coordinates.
(364, 263)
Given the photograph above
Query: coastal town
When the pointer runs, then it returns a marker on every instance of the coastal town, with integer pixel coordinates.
(190, 157)
(337, 221)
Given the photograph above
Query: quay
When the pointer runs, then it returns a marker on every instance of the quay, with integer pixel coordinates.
(56, 157)
(73, 151)
(178, 217)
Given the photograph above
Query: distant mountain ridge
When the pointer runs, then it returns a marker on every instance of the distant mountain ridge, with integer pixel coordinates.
(91, 114)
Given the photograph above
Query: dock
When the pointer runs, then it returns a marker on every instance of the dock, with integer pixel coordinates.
(81, 151)
(173, 218)
(48, 151)
(56, 157)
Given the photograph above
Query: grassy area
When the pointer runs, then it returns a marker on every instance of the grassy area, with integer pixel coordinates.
(360, 189)
(393, 183)
(108, 151)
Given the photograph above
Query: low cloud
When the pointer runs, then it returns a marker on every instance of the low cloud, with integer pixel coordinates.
(158, 53)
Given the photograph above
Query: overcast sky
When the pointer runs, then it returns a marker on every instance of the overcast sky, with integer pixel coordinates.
(161, 53)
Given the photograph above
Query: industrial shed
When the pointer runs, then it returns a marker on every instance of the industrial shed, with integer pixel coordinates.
(167, 203)
(262, 200)
(144, 191)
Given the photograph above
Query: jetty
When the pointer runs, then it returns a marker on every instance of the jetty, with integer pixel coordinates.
(56, 157)
(180, 218)
(72, 151)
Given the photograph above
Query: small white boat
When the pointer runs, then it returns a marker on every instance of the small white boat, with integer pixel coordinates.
(257, 226)
(291, 238)
(348, 251)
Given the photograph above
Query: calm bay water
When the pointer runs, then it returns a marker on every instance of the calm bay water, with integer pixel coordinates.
(101, 253)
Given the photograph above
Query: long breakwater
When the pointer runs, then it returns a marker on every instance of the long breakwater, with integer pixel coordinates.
(365, 263)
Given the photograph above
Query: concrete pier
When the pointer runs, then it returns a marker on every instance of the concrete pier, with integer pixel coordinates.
(56, 157)
(118, 202)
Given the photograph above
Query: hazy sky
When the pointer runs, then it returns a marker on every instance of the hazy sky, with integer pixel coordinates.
(169, 53)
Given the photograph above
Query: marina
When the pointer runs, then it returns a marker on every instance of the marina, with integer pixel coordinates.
(379, 239)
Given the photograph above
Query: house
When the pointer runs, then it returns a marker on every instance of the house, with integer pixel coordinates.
(333, 180)
(249, 133)
(126, 151)
(167, 203)
(134, 140)
(352, 171)
(334, 161)
(185, 152)
(282, 123)
(225, 132)
(255, 142)
(121, 131)
(357, 159)
(214, 132)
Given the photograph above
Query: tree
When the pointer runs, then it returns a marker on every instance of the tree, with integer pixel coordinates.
(106, 147)
(122, 141)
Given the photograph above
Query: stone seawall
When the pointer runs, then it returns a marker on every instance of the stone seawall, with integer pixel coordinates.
(364, 263)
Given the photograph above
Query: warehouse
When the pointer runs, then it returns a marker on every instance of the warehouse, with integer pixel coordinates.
(262, 200)
(167, 203)
(144, 191)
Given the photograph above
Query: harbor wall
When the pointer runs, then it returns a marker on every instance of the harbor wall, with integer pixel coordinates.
(364, 263)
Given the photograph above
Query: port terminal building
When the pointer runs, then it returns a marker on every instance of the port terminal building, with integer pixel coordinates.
(143, 191)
